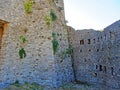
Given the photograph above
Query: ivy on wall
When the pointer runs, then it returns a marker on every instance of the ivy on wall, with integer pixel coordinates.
(53, 15)
(48, 21)
(22, 52)
(68, 51)
(49, 18)
(28, 6)
(22, 39)
(55, 43)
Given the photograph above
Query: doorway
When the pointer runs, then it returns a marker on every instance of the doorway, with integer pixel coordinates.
(1, 34)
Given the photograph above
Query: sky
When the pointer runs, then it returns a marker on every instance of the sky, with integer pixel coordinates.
(91, 14)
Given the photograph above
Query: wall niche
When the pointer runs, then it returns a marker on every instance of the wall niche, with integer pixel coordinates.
(3, 27)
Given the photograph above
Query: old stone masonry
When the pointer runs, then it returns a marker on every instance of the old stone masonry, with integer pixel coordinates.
(29, 31)
(36, 47)
(96, 55)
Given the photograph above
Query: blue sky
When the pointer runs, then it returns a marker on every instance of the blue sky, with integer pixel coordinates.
(91, 14)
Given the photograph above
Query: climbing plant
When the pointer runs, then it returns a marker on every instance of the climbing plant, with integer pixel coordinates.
(48, 20)
(55, 43)
(22, 53)
(53, 15)
(28, 6)
(68, 51)
(23, 39)
(16, 83)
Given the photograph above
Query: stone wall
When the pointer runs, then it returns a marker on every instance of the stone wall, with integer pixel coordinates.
(40, 65)
(96, 55)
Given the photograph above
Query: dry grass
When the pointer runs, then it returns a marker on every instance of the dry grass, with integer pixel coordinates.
(25, 86)
(69, 86)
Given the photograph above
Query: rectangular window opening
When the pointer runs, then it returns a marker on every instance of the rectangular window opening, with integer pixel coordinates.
(112, 70)
(110, 34)
(93, 40)
(96, 66)
(80, 50)
(81, 42)
(100, 67)
(88, 41)
(97, 50)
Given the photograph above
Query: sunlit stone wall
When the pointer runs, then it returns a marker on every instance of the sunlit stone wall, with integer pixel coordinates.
(40, 64)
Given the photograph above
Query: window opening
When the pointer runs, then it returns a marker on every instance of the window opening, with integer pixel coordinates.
(81, 42)
(88, 41)
(112, 70)
(100, 67)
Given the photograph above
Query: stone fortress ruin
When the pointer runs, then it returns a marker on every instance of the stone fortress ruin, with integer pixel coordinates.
(26, 44)
(96, 55)
(35, 47)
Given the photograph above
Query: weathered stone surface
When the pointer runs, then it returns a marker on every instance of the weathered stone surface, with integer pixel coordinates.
(97, 55)
(40, 65)
(95, 58)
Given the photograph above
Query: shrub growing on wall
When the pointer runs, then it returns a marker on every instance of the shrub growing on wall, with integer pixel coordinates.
(22, 53)
(22, 39)
(28, 6)
(53, 15)
(68, 51)
(48, 20)
(55, 43)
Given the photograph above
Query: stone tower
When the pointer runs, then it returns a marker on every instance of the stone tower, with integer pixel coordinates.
(27, 24)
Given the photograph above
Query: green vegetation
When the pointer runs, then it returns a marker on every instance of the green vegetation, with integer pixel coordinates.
(48, 20)
(28, 6)
(53, 15)
(68, 51)
(23, 39)
(34, 86)
(25, 86)
(22, 53)
(55, 43)
(16, 83)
